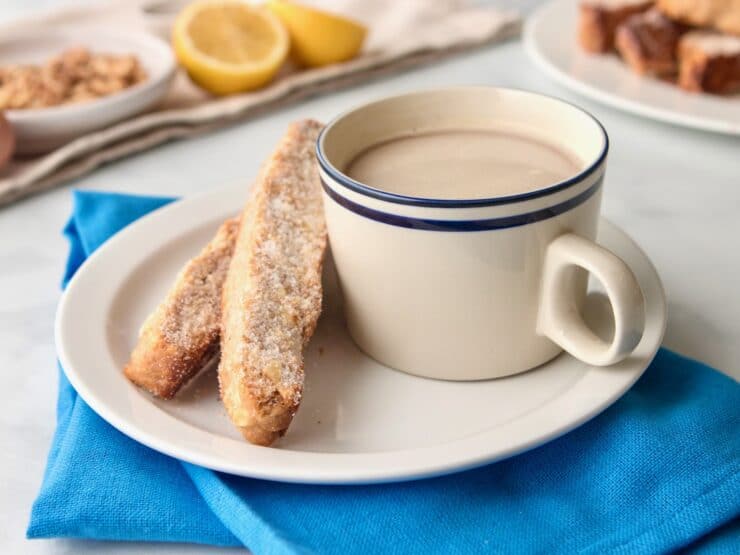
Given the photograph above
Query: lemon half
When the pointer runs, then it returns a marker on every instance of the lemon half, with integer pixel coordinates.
(228, 46)
(319, 38)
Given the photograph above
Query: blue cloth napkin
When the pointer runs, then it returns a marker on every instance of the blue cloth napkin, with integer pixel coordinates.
(658, 471)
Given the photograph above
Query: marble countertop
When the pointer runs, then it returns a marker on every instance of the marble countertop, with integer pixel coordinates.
(675, 191)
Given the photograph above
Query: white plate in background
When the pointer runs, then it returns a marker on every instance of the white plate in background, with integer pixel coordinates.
(42, 129)
(359, 421)
(550, 39)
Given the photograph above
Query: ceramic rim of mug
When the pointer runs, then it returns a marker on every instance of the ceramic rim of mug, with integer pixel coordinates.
(413, 212)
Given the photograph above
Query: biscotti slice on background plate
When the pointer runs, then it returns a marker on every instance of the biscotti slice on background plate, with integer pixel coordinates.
(648, 42)
(599, 19)
(723, 15)
(709, 62)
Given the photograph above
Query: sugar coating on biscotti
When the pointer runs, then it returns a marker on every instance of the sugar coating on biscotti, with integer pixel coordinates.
(181, 336)
(272, 294)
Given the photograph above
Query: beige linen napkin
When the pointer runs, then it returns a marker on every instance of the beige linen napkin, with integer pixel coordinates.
(403, 33)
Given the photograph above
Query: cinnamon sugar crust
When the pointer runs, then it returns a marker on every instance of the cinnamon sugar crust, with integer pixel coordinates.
(272, 293)
(182, 333)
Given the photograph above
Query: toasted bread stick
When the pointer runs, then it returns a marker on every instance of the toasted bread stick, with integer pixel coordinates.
(272, 293)
(182, 333)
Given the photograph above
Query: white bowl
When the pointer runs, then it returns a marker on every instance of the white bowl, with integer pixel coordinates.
(42, 129)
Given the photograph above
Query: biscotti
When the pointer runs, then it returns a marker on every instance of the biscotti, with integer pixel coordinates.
(272, 294)
(709, 62)
(648, 42)
(722, 15)
(182, 333)
(599, 19)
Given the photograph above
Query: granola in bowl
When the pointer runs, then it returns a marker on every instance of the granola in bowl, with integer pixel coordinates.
(75, 75)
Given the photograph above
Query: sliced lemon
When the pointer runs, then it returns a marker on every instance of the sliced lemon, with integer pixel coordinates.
(228, 46)
(319, 38)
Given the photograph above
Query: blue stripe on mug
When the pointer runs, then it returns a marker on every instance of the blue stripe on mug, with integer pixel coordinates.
(464, 225)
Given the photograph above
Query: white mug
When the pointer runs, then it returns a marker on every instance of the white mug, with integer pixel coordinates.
(474, 288)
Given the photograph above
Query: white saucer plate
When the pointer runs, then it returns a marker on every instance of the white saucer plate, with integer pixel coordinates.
(550, 38)
(359, 422)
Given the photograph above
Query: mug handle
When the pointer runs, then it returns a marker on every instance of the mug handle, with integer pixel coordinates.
(559, 318)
